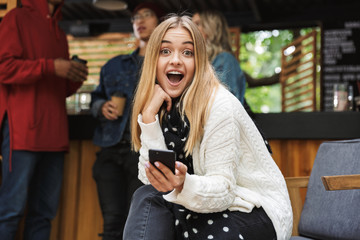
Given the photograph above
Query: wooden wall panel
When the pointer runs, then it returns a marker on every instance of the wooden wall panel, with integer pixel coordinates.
(79, 216)
(70, 195)
(89, 214)
(295, 157)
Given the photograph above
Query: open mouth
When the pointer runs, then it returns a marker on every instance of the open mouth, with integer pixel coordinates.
(175, 76)
(140, 29)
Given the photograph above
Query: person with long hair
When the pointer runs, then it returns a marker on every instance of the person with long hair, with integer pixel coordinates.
(226, 185)
(215, 30)
(221, 56)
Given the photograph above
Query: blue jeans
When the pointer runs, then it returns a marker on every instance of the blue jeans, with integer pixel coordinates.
(34, 182)
(150, 216)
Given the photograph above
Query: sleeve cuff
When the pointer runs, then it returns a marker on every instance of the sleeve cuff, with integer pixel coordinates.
(96, 108)
(179, 197)
(150, 131)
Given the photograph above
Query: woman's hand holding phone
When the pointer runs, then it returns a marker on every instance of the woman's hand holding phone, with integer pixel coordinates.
(161, 176)
(152, 108)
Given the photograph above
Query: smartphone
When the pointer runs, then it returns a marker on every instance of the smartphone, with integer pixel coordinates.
(166, 157)
(77, 59)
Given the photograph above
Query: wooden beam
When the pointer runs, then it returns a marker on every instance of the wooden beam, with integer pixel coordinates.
(294, 184)
(341, 182)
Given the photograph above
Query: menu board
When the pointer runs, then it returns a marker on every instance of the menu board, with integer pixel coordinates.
(340, 57)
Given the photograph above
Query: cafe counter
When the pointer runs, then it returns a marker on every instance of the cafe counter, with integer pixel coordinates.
(299, 125)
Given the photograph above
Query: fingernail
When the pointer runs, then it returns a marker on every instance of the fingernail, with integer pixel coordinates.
(157, 164)
(147, 165)
(178, 164)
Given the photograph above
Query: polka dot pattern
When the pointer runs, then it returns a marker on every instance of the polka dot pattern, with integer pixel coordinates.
(176, 130)
(218, 226)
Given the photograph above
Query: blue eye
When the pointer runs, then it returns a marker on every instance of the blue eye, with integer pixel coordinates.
(188, 53)
(165, 51)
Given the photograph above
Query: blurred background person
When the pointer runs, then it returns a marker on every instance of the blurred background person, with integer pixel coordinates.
(215, 30)
(36, 76)
(115, 170)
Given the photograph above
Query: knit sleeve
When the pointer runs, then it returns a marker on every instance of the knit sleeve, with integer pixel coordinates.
(151, 137)
(213, 190)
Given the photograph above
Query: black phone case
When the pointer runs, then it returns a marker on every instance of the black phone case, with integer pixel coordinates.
(166, 157)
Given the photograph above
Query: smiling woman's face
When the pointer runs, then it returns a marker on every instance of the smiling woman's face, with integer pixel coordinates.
(176, 65)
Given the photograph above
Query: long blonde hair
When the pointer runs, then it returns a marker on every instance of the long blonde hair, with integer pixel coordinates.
(195, 100)
(218, 38)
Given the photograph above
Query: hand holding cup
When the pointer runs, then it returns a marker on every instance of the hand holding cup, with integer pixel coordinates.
(119, 100)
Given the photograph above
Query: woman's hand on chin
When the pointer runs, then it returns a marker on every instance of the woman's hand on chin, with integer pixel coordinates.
(152, 108)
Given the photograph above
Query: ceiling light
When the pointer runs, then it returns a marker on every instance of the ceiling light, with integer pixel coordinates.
(110, 5)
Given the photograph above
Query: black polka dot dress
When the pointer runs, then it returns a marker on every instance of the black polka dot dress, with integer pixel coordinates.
(227, 225)
(191, 225)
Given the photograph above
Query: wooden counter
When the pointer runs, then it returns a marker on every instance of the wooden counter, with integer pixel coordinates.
(309, 125)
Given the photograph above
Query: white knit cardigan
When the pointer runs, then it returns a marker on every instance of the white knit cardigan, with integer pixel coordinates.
(233, 168)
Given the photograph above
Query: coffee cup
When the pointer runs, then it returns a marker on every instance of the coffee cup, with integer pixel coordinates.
(119, 99)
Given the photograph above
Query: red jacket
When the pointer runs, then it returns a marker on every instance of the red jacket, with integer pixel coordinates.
(30, 92)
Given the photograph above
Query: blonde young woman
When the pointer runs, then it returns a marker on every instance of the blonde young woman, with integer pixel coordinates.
(215, 30)
(226, 185)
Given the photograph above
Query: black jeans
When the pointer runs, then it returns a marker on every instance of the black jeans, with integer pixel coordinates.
(116, 174)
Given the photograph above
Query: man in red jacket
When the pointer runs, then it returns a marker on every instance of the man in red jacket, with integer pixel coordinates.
(36, 76)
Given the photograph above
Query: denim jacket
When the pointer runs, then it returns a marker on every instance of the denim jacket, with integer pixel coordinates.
(229, 72)
(119, 74)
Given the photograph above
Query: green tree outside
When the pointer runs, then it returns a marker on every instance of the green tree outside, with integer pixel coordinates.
(260, 56)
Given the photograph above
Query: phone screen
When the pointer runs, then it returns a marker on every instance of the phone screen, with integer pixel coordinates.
(166, 157)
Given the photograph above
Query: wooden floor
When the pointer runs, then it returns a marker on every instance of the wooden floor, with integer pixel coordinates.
(79, 216)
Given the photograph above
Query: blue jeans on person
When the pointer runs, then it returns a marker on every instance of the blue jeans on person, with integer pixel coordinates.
(150, 216)
(34, 183)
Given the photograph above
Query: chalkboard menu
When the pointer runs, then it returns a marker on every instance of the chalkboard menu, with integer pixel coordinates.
(340, 57)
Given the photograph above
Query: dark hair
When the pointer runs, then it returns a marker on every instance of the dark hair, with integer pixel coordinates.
(154, 7)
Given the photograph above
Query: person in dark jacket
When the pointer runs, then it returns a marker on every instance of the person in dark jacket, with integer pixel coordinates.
(115, 168)
(36, 76)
